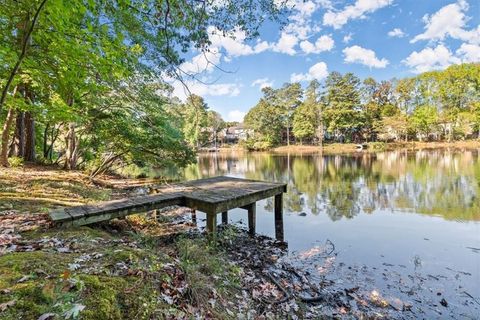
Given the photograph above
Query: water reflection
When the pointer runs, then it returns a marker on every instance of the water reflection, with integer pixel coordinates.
(435, 182)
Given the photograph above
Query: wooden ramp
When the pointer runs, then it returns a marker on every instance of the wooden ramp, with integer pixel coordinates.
(212, 196)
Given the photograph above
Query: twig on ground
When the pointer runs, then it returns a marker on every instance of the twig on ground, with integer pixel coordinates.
(287, 294)
(469, 295)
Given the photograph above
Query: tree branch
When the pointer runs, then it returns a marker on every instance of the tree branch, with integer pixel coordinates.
(22, 55)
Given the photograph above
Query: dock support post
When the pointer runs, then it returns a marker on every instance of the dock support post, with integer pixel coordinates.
(279, 217)
(225, 217)
(252, 215)
(194, 215)
(211, 222)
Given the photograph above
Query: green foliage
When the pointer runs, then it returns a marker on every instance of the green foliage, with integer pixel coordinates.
(306, 118)
(342, 98)
(434, 105)
(137, 130)
(93, 74)
(377, 145)
(424, 120)
(304, 121)
(15, 162)
(266, 120)
(195, 117)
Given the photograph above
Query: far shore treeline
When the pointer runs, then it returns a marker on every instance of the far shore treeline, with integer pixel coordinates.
(436, 105)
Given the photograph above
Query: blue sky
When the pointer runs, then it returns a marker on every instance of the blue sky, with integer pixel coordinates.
(378, 38)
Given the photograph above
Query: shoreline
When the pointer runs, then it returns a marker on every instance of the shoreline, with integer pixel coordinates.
(339, 148)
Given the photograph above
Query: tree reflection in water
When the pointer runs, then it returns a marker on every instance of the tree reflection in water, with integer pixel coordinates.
(434, 182)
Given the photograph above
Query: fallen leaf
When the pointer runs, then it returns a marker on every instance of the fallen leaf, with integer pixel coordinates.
(4, 306)
(73, 266)
(74, 311)
(47, 316)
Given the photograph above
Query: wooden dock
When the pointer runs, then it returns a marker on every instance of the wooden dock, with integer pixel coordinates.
(212, 196)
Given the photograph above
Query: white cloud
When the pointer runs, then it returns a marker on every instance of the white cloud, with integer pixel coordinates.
(357, 54)
(469, 52)
(234, 43)
(324, 43)
(354, 11)
(235, 115)
(397, 32)
(302, 13)
(301, 26)
(205, 89)
(305, 8)
(261, 46)
(347, 38)
(203, 62)
(317, 71)
(429, 59)
(286, 44)
(450, 21)
(262, 83)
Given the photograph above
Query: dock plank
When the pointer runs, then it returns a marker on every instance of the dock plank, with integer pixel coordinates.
(211, 195)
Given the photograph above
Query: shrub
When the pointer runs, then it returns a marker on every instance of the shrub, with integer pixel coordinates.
(377, 145)
(15, 162)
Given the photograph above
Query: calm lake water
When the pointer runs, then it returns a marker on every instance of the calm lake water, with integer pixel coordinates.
(407, 217)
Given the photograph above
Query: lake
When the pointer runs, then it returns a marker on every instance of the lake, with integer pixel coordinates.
(405, 223)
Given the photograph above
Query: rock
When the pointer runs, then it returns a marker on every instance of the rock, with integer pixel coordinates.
(397, 304)
(302, 214)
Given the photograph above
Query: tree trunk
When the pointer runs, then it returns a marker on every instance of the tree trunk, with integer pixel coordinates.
(288, 134)
(320, 135)
(19, 137)
(29, 137)
(53, 137)
(5, 135)
(106, 164)
(45, 141)
(71, 154)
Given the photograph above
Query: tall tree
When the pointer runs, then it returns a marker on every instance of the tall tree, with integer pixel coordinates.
(288, 99)
(306, 118)
(215, 123)
(266, 121)
(425, 119)
(196, 119)
(343, 109)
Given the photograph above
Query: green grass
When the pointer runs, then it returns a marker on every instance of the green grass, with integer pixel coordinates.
(32, 190)
(49, 286)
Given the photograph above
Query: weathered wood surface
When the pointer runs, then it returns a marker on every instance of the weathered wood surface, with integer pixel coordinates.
(211, 195)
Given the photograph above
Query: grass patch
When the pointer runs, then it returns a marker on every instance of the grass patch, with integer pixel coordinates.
(43, 281)
(208, 272)
(39, 190)
(126, 275)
